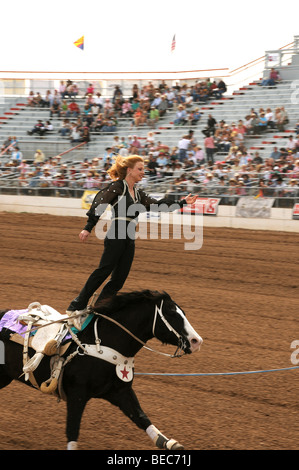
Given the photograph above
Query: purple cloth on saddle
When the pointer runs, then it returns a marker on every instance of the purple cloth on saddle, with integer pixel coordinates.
(10, 321)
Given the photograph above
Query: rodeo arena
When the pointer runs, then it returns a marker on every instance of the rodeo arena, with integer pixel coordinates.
(205, 323)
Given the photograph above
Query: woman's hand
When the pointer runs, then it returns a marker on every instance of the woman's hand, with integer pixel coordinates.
(190, 199)
(84, 235)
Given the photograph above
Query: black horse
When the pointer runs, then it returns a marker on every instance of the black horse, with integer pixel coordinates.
(123, 326)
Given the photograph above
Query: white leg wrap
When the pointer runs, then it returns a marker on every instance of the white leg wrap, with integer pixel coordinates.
(152, 433)
(72, 445)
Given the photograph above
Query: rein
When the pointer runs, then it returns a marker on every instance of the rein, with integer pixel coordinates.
(178, 353)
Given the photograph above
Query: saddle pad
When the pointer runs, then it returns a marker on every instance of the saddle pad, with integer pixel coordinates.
(10, 322)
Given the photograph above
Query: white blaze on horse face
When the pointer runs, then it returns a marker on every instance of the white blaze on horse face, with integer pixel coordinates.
(194, 339)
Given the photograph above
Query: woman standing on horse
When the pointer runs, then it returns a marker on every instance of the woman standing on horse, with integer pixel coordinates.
(119, 245)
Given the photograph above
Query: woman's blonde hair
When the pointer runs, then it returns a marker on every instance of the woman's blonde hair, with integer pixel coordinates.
(118, 171)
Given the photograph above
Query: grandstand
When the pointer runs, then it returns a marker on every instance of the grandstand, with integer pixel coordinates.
(17, 119)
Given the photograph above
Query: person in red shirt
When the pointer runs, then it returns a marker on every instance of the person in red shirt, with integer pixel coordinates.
(73, 109)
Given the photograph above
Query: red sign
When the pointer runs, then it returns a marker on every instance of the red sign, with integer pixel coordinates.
(296, 211)
(203, 205)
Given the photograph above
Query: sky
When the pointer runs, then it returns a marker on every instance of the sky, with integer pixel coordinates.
(136, 35)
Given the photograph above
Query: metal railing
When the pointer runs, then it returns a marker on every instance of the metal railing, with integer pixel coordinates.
(228, 195)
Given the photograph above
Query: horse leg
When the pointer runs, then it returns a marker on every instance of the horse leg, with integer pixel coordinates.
(76, 401)
(128, 402)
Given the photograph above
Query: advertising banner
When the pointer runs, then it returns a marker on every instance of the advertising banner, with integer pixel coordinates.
(248, 206)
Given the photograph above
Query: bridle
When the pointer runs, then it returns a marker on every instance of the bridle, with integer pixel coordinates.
(181, 342)
(180, 351)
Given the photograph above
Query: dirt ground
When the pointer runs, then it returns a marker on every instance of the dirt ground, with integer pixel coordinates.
(239, 291)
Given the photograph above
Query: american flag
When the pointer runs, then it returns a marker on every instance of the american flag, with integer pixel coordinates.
(173, 44)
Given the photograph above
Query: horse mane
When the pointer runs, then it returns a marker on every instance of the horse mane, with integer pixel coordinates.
(121, 301)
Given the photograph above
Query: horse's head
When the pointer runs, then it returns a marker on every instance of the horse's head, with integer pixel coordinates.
(172, 327)
(169, 323)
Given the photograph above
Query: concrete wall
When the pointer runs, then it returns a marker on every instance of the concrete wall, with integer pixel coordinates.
(279, 220)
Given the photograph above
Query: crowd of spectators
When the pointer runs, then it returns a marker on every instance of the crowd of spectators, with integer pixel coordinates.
(142, 106)
(184, 168)
(221, 166)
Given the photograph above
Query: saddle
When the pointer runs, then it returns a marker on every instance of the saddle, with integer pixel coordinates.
(50, 330)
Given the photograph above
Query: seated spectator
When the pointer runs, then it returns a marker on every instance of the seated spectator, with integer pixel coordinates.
(16, 156)
(199, 156)
(126, 109)
(109, 125)
(273, 79)
(38, 100)
(39, 157)
(64, 108)
(117, 94)
(39, 128)
(45, 179)
(275, 155)
(85, 135)
(248, 124)
(220, 90)
(65, 128)
(135, 92)
(157, 100)
(49, 126)
(152, 166)
(163, 106)
(262, 124)
(291, 143)
(194, 117)
(181, 116)
(279, 119)
(188, 100)
(75, 134)
(270, 118)
(135, 146)
(98, 123)
(48, 99)
(284, 115)
(62, 89)
(8, 145)
(30, 100)
(118, 107)
(99, 101)
(171, 98)
(255, 124)
(108, 107)
(139, 117)
(154, 117)
(90, 90)
(292, 189)
(73, 109)
(55, 108)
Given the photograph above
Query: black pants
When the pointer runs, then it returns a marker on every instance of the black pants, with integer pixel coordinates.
(117, 259)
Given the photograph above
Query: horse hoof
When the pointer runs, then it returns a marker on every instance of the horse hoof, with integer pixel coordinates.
(51, 348)
(174, 445)
(72, 445)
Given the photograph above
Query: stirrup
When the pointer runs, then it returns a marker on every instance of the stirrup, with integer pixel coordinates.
(33, 363)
